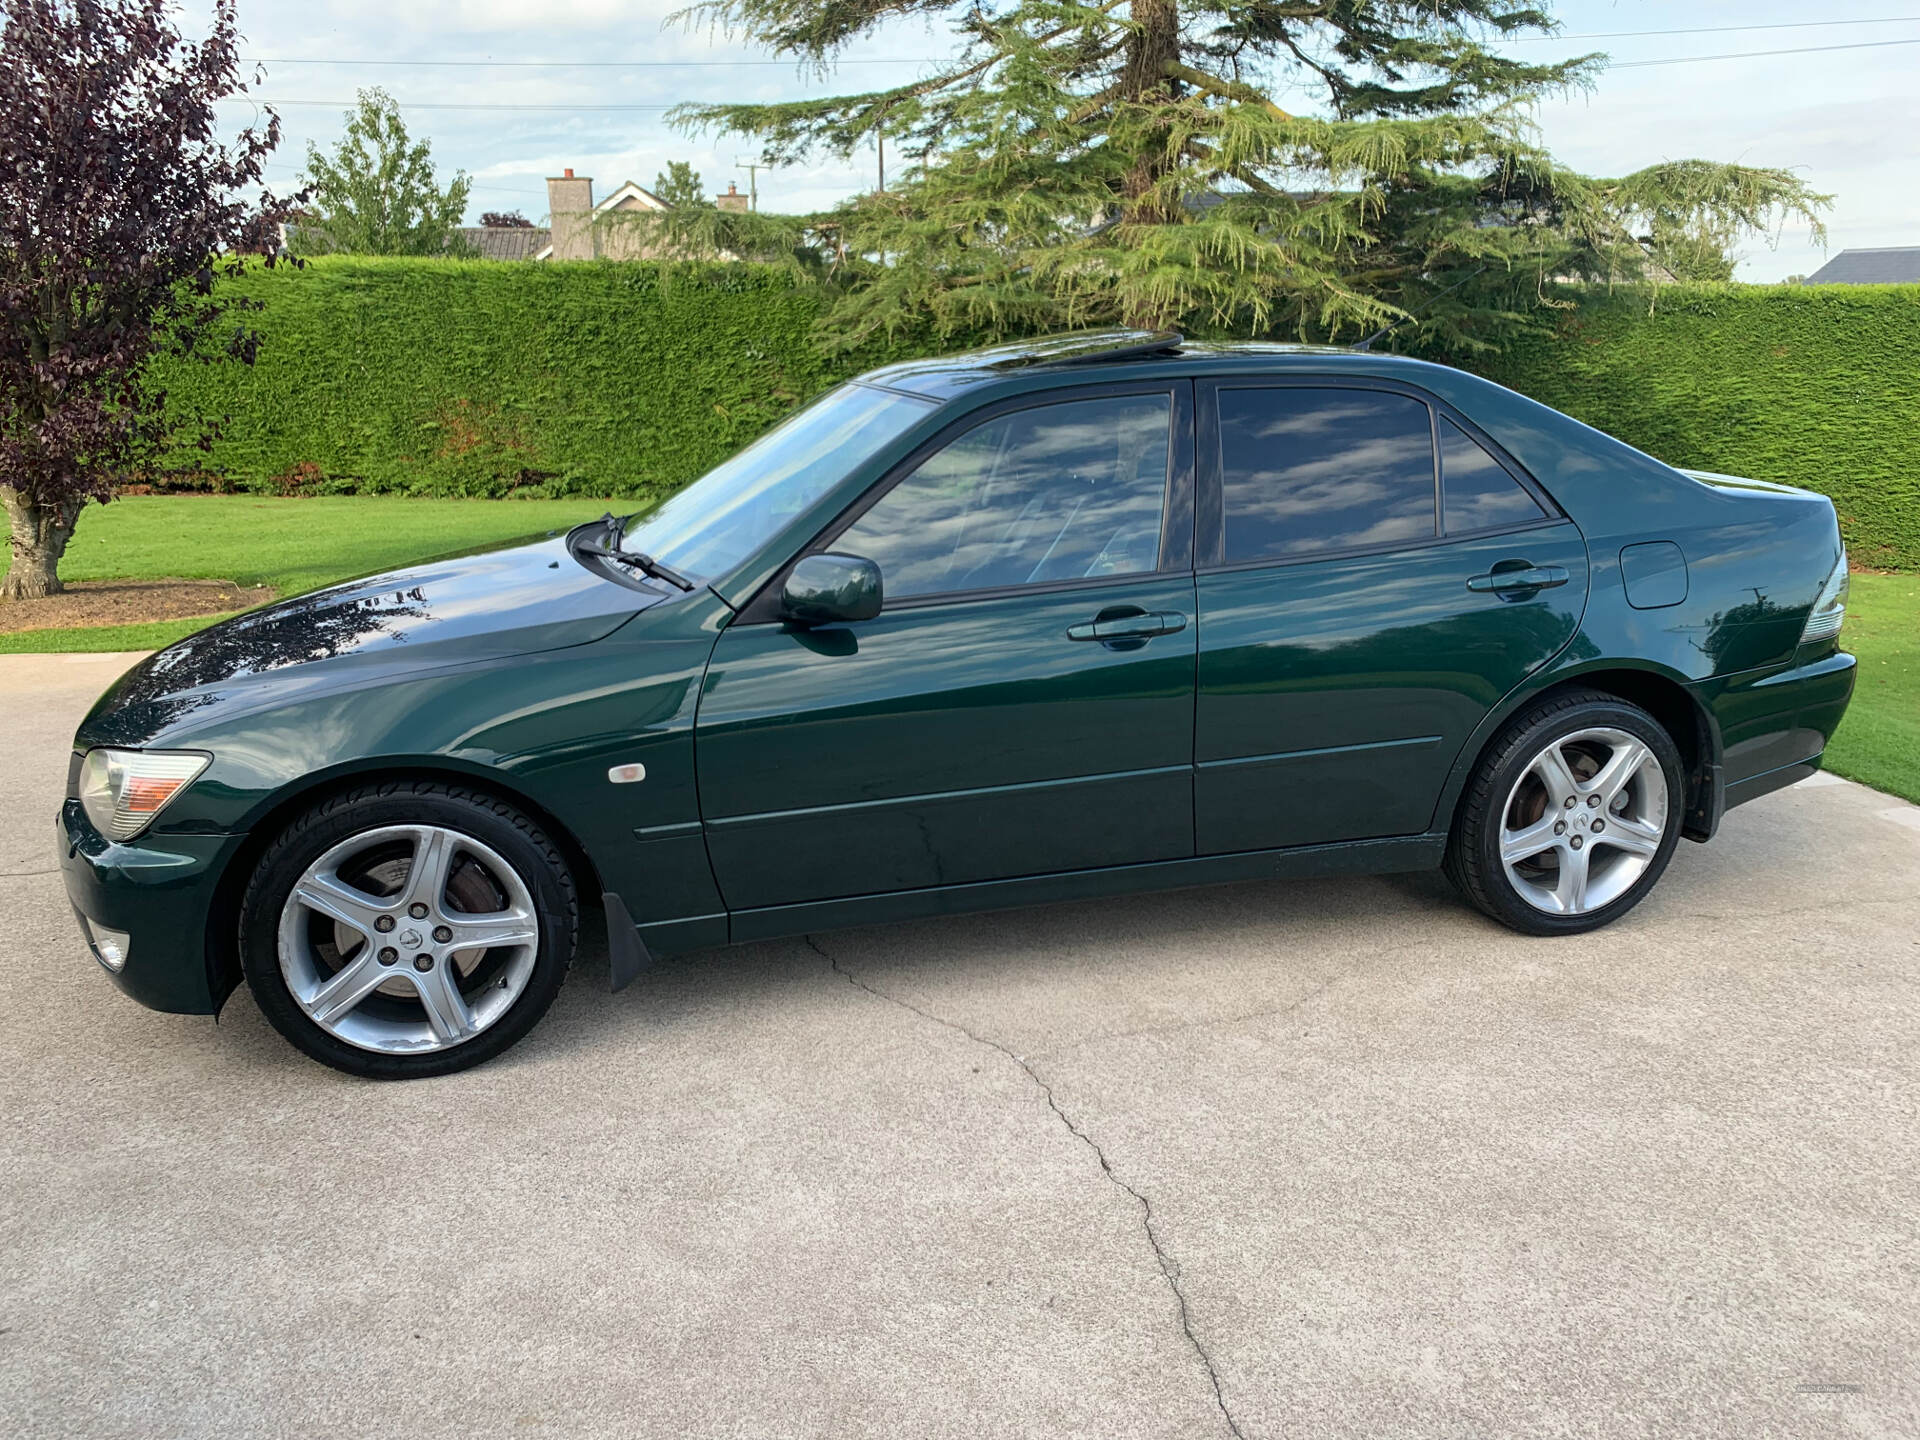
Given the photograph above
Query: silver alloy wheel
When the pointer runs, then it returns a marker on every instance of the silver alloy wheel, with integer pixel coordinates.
(1583, 821)
(408, 939)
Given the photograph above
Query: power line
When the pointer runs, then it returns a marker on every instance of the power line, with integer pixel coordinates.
(1707, 30)
(1761, 54)
(299, 172)
(590, 64)
(451, 105)
(496, 105)
(942, 60)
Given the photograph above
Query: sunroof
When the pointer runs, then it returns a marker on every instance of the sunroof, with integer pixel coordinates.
(1086, 347)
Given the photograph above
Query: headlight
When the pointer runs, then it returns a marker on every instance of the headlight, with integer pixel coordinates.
(122, 790)
(1824, 620)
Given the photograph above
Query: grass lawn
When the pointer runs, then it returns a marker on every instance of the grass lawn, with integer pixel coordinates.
(292, 545)
(1878, 743)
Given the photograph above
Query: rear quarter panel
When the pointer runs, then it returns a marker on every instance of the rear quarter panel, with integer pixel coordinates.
(1756, 558)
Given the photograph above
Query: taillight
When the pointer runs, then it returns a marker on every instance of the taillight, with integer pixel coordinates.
(1830, 610)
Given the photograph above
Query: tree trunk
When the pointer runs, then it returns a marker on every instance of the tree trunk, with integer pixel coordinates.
(1152, 46)
(38, 539)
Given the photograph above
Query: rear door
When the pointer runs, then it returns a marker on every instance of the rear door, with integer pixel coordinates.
(1024, 702)
(1374, 576)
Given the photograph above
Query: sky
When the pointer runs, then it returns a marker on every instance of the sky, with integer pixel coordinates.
(1846, 119)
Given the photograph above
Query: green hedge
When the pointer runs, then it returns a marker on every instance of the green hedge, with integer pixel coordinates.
(1816, 386)
(452, 377)
(477, 378)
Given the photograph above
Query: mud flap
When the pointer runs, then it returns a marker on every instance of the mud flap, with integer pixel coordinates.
(627, 953)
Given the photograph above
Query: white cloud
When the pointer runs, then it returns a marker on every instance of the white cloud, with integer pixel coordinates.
(1848, 120)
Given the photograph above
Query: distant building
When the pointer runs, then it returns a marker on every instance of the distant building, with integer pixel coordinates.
(1896, 265)
(571, 217)
(576, 228)
(505, 242)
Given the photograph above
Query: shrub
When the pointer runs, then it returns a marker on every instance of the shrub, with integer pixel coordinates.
(477, 378)
(1815, 385)
(467, 377)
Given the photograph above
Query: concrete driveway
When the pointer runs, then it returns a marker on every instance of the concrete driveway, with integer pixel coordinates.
(1303, 1159)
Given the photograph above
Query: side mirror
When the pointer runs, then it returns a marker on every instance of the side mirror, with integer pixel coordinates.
(828, 589)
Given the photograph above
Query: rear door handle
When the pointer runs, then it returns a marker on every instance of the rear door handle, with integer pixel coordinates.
(1141, 625)
(1534, 577)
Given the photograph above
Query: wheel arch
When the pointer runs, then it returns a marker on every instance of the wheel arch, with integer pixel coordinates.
(267, 821)
(1662, 693)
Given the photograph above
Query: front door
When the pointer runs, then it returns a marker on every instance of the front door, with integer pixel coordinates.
(1375, 577)
(1024, 702)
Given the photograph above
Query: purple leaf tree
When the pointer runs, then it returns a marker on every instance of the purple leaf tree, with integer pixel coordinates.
(121, 207)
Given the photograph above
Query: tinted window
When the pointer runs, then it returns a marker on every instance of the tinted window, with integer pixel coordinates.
(1059, 492)
(1305, 470)
(735, 508)
(1480, 493)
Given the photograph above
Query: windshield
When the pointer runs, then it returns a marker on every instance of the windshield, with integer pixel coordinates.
(732, 510)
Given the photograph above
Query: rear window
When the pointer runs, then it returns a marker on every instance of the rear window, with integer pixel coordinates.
(1481, 494)
(1306, 469)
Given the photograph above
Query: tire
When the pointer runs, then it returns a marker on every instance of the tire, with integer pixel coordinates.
(352, 922)
(1614, 836)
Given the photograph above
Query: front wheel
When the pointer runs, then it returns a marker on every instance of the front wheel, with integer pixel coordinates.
(1571, 816)
(407, 929)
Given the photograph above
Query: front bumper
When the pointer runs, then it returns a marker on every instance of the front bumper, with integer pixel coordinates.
(159, 892)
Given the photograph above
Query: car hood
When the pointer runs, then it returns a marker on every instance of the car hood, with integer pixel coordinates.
(448, 612)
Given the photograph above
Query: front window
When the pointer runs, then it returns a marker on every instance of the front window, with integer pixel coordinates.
(735, 508)
(1066, 491)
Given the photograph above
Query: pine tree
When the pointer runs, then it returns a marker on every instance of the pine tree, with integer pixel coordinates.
(1132, 162)
(680, 187)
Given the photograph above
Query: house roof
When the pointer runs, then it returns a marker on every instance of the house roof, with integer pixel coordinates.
(1895, 265)
(630, 197)
(504, 242)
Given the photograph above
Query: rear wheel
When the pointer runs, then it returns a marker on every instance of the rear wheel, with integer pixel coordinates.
(407, 930)
(1571, 816)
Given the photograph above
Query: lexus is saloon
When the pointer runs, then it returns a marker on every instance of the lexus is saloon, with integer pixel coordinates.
(1099, 614)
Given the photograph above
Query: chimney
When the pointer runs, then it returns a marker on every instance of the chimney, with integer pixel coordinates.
(570, 213)
(732, 200)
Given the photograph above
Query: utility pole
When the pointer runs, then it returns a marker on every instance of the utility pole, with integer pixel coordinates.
(753, 180)
(883, 162)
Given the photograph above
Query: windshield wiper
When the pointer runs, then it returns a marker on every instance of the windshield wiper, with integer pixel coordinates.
(645, 564)
(614, 528)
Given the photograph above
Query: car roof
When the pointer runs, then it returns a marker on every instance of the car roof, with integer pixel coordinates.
(1093, 355)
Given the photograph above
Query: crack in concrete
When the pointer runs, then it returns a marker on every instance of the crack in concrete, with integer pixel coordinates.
(23, 874)
(1169, 1271)
(1174, 1027)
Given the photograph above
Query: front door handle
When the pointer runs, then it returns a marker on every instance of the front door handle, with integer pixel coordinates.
(1533, 577)
(1132, 624)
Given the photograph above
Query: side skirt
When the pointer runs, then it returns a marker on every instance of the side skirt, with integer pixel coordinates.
(1355, 857)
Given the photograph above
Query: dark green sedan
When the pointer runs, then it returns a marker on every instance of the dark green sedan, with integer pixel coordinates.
(1100, 614)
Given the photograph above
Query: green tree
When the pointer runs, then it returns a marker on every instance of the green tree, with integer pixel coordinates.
(377, 194)
(680, 186)
(1100, 161)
